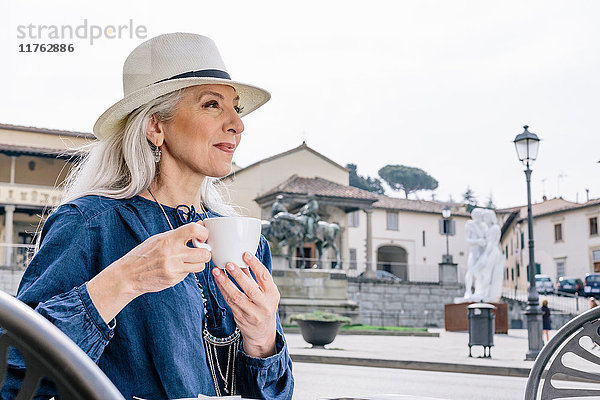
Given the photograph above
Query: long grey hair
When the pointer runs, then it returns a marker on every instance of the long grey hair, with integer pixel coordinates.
(123, 165)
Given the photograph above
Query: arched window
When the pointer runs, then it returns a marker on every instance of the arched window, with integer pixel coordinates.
(393, 259)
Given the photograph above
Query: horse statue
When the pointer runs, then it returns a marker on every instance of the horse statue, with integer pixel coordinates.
(284, 231)
(291, 230)
(325, 238)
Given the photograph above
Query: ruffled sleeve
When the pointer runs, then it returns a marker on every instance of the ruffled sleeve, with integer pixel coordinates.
(271, 377)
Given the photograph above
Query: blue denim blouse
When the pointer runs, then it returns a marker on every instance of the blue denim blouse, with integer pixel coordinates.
(154, 348)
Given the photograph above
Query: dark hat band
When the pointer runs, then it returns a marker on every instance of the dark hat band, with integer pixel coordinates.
(204, 73)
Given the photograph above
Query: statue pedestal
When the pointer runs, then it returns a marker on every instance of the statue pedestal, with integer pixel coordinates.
(307, 290)
(448, 273)
(279, 262)
(456, 317)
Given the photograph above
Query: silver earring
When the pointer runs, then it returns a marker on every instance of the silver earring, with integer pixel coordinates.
(157, 153)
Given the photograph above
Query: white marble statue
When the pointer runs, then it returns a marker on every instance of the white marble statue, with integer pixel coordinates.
(485, 263)
(475, 235)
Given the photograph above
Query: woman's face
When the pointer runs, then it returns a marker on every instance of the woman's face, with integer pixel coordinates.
(205, 131)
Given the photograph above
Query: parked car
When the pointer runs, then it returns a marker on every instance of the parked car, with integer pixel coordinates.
(543, 284)
(592, 285)
(381, 274)
(569, 285)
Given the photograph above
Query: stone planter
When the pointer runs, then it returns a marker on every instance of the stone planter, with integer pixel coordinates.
(319, 333)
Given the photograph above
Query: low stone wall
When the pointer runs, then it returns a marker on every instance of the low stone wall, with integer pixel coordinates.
(559, 319)
(369, 301)
(413, 304)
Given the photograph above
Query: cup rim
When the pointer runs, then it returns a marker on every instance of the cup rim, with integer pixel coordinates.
(228, 217)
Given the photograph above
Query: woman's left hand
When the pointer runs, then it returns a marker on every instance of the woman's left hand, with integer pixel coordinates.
(254, 309)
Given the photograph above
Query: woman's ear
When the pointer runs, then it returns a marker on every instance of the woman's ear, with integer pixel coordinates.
(154, 131)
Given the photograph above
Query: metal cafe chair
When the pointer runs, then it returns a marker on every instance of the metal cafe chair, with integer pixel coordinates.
(569, 364)
(50, 354)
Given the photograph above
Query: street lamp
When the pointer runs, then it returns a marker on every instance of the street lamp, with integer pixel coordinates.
(527, 145)
(446, 213)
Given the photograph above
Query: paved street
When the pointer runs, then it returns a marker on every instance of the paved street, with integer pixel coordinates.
(430, 367)
(320, 381)
(437, 367)
(446, 351)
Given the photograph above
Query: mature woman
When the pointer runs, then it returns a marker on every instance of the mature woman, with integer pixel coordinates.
(115, 270)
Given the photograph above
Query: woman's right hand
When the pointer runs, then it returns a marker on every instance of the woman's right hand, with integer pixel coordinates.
(159, 262)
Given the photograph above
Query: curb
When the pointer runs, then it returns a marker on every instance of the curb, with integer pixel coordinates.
(416, 365)
(374, 333)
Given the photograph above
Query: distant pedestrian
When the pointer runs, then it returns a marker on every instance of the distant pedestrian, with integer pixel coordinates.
(546, 321)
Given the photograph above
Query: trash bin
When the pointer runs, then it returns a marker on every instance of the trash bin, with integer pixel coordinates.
(481, 327)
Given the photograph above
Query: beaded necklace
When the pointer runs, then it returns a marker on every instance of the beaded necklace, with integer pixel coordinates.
(230, 344)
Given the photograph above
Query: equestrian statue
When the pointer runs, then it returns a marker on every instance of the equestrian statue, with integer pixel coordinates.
(292, 230)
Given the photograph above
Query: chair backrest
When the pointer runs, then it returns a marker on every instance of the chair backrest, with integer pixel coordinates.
(573, 354)
(49, 353)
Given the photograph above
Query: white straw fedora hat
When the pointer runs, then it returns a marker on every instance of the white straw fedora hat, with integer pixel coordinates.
(170, 62)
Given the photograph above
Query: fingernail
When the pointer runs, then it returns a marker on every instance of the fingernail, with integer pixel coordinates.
(247, 256)
(230, 266)
(216, 272)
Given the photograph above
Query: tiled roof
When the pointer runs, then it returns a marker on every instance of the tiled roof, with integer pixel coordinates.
(319, 187)
(434, 207)
(47, 131)
(551, 206)
(36, 151)
(322, 187)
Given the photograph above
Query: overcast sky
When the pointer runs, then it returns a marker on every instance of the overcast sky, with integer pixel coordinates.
(440, 85)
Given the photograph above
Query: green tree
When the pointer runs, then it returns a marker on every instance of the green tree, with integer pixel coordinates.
(365, 183)
(469, 199)
(407, 179)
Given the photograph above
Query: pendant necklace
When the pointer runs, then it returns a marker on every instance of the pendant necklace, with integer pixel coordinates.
(212, 344)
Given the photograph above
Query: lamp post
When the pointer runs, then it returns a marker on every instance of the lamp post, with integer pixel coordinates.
(446, 213)
(527, 145)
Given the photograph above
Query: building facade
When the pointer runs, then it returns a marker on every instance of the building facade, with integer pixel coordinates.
(396, 235)
(33, 163)
(406, 238)
(566, 240)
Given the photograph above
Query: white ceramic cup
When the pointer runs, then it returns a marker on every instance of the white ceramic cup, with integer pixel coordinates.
(229, 238)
